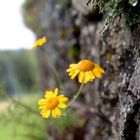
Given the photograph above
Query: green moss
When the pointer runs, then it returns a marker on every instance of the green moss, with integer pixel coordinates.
(116, 8)
(63, 3)
(132, 1)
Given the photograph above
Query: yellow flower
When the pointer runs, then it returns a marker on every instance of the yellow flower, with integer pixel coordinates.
(52, 104)
(86, 71)
(40, 42)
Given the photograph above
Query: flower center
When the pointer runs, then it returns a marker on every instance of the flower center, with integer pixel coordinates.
(52, 103)
(85, 65)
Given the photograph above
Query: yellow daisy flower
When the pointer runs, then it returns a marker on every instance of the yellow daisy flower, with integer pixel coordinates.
(40, 42)
(52, 104)
(86, 71)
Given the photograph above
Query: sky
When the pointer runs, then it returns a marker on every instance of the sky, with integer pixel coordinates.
(13, 33)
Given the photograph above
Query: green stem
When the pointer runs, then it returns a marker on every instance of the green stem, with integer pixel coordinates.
(77, 94)
(23, 105)
(54, 70)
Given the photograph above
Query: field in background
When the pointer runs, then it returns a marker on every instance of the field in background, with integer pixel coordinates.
(20, 125)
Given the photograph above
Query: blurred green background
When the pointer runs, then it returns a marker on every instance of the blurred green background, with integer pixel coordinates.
(20, 91)
(18, 71)
(25, 74)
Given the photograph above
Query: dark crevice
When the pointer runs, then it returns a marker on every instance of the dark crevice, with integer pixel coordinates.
(131, 125)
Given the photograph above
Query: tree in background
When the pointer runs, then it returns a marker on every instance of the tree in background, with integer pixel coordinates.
(18, 71)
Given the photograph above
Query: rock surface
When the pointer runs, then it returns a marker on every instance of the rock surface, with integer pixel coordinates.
(112, 103)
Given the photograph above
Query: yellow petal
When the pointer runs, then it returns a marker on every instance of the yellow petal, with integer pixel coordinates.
(55, 92)
(68, 70)
(72, 65)
(63, 99)
(74, 74)
(42, 102)
(58, 112)
(81, 76)
(84, 79)
(92, 76)
(71, 68)
(43, 111)
(47, 114)
(99, 68)
(87, 76)
(62, 105)
(97, 73)
(49, 94)
(54, 113)
(42, 41)
(60, 96)
(71, 73)
(42, 107)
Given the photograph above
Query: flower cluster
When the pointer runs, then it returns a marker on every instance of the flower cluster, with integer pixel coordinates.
(85, 70)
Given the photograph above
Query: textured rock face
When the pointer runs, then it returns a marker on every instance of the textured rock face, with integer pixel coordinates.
(134, 85)
(81, 6)
(53, 20)
(112, 104)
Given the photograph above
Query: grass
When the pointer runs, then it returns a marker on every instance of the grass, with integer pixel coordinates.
(21, 123)
(17, 123)
(7, 132)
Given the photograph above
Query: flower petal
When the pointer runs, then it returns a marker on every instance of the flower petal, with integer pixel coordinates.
(87, 76)
(92, 76)
(62, 105)
(58, 112)
(43, 111)
(97, 73)
(47, 114)
(72, 65)
(60, 96)
(63, 99)
(68, 70)
(42, 107)
(49, 94)
(71, 73)
(74, 74)
(71, 68)
(84, 78)
(54, 113)
(99, 68)
(42, 102)
(81, 76)
(55, 92)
